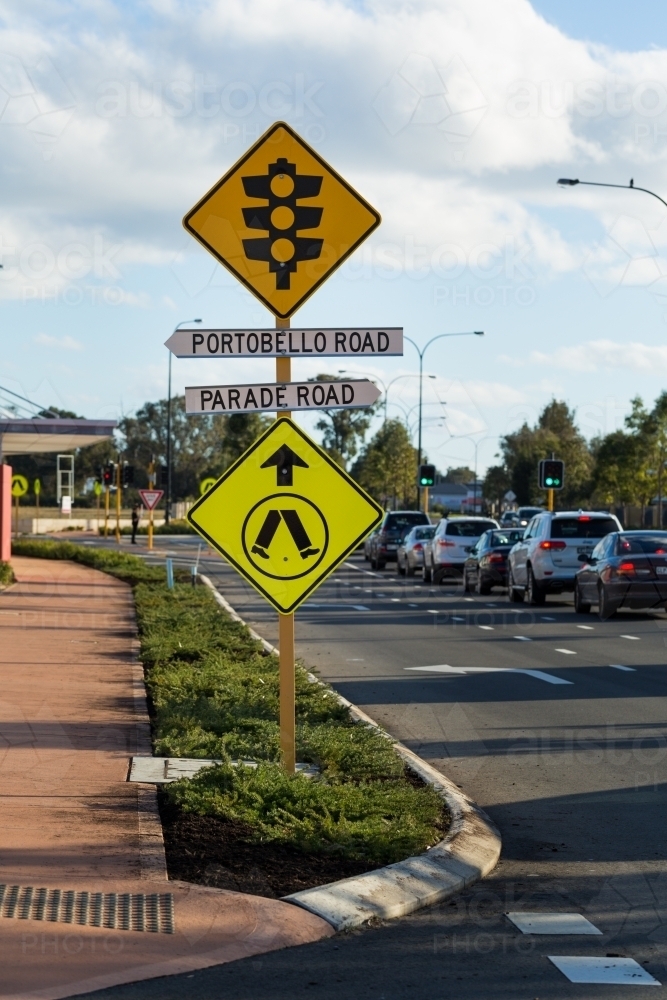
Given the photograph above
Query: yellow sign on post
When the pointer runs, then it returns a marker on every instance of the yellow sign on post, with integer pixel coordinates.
(285, 515)
(19, 485)
(281, 220)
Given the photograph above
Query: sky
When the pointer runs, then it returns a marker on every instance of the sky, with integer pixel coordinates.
(454, 120)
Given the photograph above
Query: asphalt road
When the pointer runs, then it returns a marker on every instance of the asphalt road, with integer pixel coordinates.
(555, 723)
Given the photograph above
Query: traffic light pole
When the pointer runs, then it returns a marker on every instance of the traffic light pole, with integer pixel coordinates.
(286, 624)
(550, 500)
(425, 489)
(119, 473)
(106, 511)
(151, 485)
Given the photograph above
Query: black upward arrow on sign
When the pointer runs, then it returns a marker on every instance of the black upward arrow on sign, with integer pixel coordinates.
(284, 459)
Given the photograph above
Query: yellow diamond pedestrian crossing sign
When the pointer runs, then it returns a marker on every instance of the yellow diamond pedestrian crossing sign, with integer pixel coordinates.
(285, 515)
(281, 220)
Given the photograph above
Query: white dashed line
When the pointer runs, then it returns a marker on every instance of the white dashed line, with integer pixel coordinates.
(413, 605)
(360, 607)
(522, 638)
(545, 618)
(488, 628)
(456, 618)
(432, 612)
(634, 637)
(589, 628)
(568, 652)
(471, 599)
(396, 600)
(619, 666)
(444, 668)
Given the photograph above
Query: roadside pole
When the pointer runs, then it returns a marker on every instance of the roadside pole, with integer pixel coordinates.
(38, 489)
(550, 500)
(119, 473)
(106, 511)
(151, 484)
(286, 622)
(425, 488)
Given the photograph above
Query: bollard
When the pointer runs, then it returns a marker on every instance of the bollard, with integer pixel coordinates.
(170, 573)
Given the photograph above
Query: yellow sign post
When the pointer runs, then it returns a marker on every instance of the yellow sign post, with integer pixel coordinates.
(281, 220)
(19, 489)
(284, 515)
(37, 489)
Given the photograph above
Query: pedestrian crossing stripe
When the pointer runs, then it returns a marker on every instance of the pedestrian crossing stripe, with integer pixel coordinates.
(285, 515)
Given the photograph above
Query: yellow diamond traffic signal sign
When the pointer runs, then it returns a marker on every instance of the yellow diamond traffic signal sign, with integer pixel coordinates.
(281, 220)
(285, 515)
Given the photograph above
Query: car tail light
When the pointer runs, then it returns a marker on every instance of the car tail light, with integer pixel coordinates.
(496, 558)
(418, 547)
(551, 544)
(445, 544)
(626, 567)
(583, 518)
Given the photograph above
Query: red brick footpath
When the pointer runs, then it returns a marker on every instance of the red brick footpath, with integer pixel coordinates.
(85, 902)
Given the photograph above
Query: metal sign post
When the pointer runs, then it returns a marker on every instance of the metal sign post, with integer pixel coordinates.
(286, 643)
(119, 487)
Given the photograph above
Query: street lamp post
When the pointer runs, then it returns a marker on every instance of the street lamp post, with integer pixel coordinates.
(386, 386)
(421, 352)
(167, 512)
(571, 181)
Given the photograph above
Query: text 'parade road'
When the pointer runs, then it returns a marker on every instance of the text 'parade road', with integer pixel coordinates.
(274, 397)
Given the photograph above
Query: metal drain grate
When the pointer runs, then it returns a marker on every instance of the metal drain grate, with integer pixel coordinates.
(120, 911)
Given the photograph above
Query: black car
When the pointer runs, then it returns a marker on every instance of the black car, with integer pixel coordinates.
(486, 566)
(626, 569)
(390, 534)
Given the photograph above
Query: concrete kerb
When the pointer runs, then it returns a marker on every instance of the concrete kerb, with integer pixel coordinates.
(470, 850)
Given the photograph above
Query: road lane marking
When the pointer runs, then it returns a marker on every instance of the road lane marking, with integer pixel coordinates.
(381, 595)
(488, 628)
(396, 600)
(545, 618)
(522, 638)
(589, 628)
(456, 618)
(590, 969)
(337, 607)
(445, 668)
(567, 652)
(413, 605)
(472, 599)
(366, 572)
(552, 923)
(432, 612)
(356, 659)
(634, 637)
(619, 666)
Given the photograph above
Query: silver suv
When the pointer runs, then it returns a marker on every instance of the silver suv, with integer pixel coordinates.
(549, 554)
(445, 554)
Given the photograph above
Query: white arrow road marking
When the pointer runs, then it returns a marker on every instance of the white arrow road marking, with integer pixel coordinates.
(444, 668)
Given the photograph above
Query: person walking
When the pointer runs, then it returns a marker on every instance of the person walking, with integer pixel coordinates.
(135, 522)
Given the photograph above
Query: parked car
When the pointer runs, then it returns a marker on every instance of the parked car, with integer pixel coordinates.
(445, 554)
(549, 555)
(390, 534)
(486, 565)
(519, 518)
(410, 553)
(626, 569)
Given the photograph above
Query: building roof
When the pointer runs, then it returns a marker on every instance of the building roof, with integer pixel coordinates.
(452, 489)
(32, 437)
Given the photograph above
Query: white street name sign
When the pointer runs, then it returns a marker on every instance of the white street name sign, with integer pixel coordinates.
(286, 396)
(286, 343)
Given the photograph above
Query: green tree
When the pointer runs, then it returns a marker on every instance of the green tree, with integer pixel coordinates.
(496, 484)
(240, 430)
(387, 467)
(343, 431)
(460, 474)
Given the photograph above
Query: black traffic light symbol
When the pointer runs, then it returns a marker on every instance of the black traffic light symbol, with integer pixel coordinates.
(109, 474)
(426, 475)
(551, 474)
(282, 218)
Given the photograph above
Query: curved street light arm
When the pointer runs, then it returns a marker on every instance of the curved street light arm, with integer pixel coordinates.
(566, 181)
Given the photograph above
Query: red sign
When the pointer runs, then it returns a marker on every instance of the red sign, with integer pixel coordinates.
(151, 498)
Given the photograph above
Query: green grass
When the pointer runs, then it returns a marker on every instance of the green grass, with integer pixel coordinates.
(6, 574)
(214, 693)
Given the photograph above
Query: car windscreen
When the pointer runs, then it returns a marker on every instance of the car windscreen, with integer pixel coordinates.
(655, 544)
(423, 533)
(468, 529)
(582, 527)
(504, 538)
(403, 522)
(529, 512)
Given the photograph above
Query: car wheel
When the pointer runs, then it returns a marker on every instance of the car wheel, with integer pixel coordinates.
(438, 576)
(605, 608)
(581, 607)
(534, 592)
(380, 564)
(481, 588)
(400, 569)
(515, 596)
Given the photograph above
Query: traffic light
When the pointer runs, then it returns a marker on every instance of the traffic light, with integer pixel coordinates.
(426, 475)
(551, 474)
(164, 475)
(108, 474)
(282, 249)
(128, 475)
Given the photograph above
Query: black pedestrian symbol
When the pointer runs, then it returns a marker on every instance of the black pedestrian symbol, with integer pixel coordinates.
(295, 528)
(284, 459)
(282, 218)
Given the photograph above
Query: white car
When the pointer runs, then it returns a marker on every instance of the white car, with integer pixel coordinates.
(549, 554)
(455, 537)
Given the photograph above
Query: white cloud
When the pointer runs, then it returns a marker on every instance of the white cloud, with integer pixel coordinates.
(65, 343)
(602, 355)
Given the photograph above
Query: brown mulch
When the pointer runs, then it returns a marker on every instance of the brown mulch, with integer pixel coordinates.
(215, 852)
